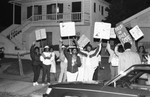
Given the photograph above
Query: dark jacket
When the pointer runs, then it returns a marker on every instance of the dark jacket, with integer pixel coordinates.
(71, 68)
(34, 56)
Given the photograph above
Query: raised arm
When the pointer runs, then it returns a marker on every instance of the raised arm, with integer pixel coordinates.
(98, 49)
(32, 50)
(110, 51)
(116, 49)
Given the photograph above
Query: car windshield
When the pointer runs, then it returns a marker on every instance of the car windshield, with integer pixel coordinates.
(135, 77)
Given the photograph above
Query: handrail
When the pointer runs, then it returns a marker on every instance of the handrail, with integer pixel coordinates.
(15, 31)
(74, 16)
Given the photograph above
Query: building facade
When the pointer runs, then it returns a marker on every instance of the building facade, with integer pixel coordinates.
(47, 14)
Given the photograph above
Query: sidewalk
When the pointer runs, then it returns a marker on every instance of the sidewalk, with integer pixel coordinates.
(20, 88)
(22, 85)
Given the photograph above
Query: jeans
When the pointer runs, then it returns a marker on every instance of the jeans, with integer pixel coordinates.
(46, 72)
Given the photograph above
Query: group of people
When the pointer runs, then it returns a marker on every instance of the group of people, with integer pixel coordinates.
(80, 64)
(45, 61)
(76, 63)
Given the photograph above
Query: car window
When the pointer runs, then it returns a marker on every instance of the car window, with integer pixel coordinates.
(136, 79)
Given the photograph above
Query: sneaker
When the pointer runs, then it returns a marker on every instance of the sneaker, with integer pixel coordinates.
(48, 83)
(35, 83)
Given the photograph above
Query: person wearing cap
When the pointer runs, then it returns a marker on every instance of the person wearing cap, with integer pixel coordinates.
(63, 63)
(36, 63)
(73, 63)
(47, 60)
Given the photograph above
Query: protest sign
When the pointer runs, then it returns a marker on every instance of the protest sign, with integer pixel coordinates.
(136, 32)
(102, 30)
(83, 41)
(67, 29)
(112, 33)
(40, 34)
(123, 34)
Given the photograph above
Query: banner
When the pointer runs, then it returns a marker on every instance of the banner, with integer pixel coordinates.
(112, 33)
(136, 32)
(123, 34)
(40, 34)
(102, 30)
(83, 41)
(67, 29)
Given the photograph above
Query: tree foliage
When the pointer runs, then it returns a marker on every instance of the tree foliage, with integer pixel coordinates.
(122, 9)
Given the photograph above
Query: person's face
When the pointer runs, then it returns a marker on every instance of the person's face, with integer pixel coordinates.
(141, 49)
(51, 50)
(74, 51)
(89, 48)
(37, 51)
(46, 49)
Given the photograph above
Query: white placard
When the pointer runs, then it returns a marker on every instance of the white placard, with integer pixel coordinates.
(83, 41)
(102, 30)
(136, 32)
(40, 34)
(67, 29)
(112, 33)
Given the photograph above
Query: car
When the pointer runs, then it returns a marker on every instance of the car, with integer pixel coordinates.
(130, 83)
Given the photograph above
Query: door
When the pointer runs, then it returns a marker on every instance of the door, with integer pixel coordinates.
(29, 12)
(49, 38)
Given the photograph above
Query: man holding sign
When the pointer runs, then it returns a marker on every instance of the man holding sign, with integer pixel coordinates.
(127, 58)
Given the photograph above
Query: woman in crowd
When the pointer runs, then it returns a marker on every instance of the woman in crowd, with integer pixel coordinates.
(36, 63)
(113, 58)
(47, 60)
(91, 62)
(73, 63)
(53, 65)
(142, 53)
(63, 63)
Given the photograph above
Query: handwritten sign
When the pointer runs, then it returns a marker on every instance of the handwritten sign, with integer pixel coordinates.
(112, 33)
(136, 32)
(102, 30)
(83, 41)
(67, 29)
(123, 34)
(40, 34)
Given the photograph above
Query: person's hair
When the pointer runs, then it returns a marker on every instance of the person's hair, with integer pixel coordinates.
(127, 45)
(89, 46)
(144, 51)
(120, 49)
(36, 48)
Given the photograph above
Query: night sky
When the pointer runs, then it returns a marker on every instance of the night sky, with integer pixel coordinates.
(6, 16)
(6, 13)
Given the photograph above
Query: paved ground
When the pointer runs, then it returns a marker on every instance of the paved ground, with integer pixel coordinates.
(12, 82)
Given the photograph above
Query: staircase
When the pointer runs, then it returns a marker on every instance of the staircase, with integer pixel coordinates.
(12, 36)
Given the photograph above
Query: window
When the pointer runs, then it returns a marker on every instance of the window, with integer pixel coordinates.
(94, 7)
(37, 10)
(76, 11)
(102, 10)
(52, 9)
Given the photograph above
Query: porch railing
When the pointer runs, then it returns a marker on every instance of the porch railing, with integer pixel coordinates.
(56, 18)
(62, 17)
